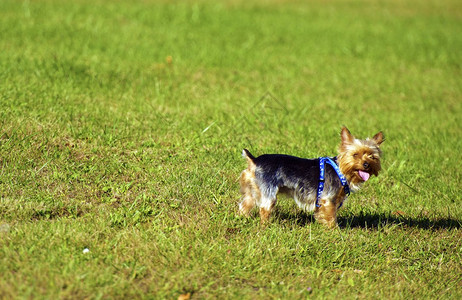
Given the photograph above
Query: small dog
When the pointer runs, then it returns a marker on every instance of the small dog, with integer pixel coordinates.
(320, 184)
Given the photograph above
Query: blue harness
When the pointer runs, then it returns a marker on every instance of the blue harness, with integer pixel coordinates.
(322, 168)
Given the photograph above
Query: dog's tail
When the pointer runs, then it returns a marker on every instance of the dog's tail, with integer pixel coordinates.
(247, 155)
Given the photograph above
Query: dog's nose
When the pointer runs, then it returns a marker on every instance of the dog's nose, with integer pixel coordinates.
(366, 165)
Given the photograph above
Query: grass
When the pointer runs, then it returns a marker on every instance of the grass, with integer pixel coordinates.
(122, 125)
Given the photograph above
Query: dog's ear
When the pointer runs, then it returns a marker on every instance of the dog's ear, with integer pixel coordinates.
(379, 138)
(347, 138)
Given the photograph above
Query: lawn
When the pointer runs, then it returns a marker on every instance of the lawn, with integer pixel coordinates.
(122, 125)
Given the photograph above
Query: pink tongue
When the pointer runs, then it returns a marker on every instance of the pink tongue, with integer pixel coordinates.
(364, 175)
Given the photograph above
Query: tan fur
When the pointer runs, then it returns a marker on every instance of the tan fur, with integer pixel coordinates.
(249, 189)
(353, 153)
(264, 215)
(327, 213)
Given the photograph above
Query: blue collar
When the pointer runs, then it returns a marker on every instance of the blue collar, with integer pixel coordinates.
(322, 162)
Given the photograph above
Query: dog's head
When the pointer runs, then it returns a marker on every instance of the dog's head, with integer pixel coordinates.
(358, 159)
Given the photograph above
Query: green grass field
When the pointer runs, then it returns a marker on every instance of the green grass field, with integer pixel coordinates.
(123, 122)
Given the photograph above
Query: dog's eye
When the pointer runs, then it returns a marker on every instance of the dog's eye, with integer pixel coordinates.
(355, 155)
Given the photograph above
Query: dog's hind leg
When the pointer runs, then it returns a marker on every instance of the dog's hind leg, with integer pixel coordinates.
(250, 192)
(267, 202)
(266, 207)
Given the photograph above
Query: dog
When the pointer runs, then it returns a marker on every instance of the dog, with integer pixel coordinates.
(320, 184)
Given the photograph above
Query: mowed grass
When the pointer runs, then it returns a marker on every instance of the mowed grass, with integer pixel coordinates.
(122, 125)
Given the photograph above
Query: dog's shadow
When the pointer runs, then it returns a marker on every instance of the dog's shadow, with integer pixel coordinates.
(375, 221)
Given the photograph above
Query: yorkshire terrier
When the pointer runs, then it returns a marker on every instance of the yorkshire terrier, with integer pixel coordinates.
(320, 185)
